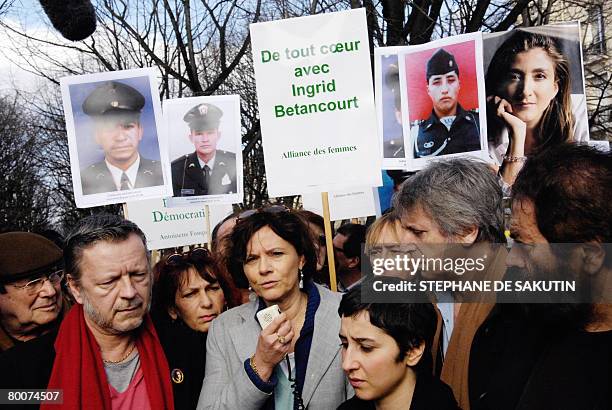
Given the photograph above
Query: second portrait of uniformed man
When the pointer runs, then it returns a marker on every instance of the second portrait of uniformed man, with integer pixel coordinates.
(207, 170)
(115, 109)
(450, 128)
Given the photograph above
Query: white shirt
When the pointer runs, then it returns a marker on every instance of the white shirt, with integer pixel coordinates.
(131, 172)
(210, 163)
(447, 311)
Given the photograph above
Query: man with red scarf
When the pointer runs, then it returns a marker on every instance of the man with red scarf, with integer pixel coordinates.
(106, 354)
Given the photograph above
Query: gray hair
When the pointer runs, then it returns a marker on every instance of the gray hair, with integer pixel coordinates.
(93, 229)
(457, 194)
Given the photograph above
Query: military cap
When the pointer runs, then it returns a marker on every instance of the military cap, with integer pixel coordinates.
(203, 117)
(441, 62)
(113, 97)
(25, 255)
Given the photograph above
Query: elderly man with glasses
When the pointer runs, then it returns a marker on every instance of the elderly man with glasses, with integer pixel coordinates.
(31, 298)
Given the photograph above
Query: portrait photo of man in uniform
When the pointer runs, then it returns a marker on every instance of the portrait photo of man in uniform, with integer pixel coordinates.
(115, 109)
(118, 150)
(443, 100)
(203, 155)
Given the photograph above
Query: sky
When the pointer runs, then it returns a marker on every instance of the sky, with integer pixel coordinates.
(28, 15)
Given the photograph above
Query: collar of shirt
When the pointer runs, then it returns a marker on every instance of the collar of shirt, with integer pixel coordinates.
(343, 289)
(131, 172)
(210, 163)
(433, 118)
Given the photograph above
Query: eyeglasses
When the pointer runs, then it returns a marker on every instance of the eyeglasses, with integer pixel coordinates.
(271, 209)
(194, 254)
(34, 286)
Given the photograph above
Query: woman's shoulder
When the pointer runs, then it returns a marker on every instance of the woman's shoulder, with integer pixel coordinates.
(237, 314)
(328, 296)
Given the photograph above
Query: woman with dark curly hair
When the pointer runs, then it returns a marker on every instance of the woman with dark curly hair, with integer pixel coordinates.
(529, 84)
(190, 291)
(294, 361)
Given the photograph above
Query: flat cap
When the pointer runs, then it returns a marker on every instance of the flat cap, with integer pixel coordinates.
(25, 254)
(203, 117)
(441, 62)
(114, 97)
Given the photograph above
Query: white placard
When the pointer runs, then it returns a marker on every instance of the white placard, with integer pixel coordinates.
(345, 204)
(388, 107)
(171, 227)
(316, 103)
(118, 148)
(214, 128)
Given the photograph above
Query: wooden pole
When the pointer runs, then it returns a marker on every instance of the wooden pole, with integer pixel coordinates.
(155, 254)
(155, 257)
(328, 242)
(207, 216)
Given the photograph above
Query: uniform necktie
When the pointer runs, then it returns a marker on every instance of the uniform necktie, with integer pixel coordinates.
(206, 179)
(125, 182)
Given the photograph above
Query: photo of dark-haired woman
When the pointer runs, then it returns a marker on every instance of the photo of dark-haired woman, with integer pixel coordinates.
(532, 101)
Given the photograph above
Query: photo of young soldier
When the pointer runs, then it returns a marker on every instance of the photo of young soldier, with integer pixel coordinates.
(443, 85)
(205, 149)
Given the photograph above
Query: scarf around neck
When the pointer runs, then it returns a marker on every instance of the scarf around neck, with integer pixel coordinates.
(79, 371)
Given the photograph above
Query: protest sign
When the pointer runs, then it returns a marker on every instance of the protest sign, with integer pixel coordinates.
(118, 149)
(501, 60)
(205, 149)
(316, 104)
(171, 227)
(443, 100)
(389, 107)
(345, 204)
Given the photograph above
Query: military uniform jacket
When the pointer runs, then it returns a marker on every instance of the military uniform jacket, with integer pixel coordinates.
(97, 178)
(188, 176)
(433, 138)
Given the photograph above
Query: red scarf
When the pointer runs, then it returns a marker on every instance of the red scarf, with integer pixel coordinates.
(78, 368)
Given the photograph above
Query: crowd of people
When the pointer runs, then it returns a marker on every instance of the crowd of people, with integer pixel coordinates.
(97, 321)
(90, 315)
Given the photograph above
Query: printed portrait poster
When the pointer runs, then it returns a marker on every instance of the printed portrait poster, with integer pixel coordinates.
(506, 77)
(389, 107)
(443, 86)
(205, 150)
(167, 227)
(316, 103)
(118, 150)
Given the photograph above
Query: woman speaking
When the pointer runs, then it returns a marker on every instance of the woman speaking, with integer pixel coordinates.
(294, 361)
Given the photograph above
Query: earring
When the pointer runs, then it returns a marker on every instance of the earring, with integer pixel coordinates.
(301, 278)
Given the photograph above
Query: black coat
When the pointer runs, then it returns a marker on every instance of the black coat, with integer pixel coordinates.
(429, 394)
(188, 176)
(97, 178)
(185, 351)
(434, 139)
(28, 365)
(518, 364)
